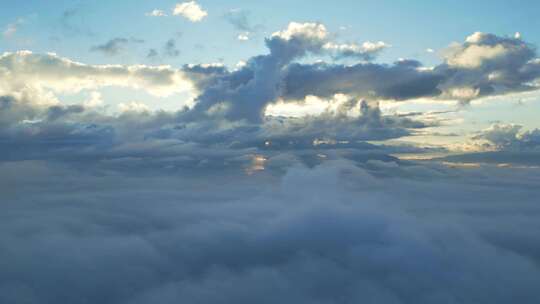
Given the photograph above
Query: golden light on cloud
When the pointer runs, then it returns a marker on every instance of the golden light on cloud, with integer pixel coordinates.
(257, 164)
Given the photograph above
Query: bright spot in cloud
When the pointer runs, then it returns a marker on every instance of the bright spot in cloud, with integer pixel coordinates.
(156, 13)
(134, 107)
(243, 37)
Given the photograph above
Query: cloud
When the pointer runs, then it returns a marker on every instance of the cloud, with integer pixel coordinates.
(152, 53)
(133, 106)
(156, 13)
(467, 73)
(336, 232)
(481, 49)
(243, 37)
(24, 70)
(229, 111)
(190, 10)
(502, 144)
(12, 28)
(73, 21)
(239, 19)
(115, 46)
(260, 81)
(402, 80)
(222, 202)
(488, 65)
(170, 48)
(509, 137)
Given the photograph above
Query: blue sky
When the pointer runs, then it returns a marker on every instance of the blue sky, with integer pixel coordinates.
(410, 26)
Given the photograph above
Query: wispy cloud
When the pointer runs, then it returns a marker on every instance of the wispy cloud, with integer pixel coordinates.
(115, 46)
(156, 13)
(12, 28)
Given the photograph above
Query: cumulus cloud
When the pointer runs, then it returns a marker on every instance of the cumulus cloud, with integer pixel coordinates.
(190, 10)
(502, 144)
(314, 37)
(244, 93)
(488, 64)
(509, 137)
(229, 112)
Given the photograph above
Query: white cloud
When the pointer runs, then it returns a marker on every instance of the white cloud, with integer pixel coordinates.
(136, 107)
(24, 69)
(474, 55)
(94, 101)
(243, 37)
(156, 13)
(190, 10)
(480, 48)
(315, 37)
(311, 31)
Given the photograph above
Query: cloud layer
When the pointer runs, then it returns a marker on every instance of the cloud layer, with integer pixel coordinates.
(375, 233)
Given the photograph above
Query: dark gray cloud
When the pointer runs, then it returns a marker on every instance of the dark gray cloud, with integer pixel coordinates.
(152, 53)
(170, 48)
(115, 46)
(399, 81)
(73, 21)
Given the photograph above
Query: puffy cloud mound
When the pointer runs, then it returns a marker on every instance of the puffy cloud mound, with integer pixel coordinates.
(487, 64)
(300, 38)
(190, 10)
(510, 137)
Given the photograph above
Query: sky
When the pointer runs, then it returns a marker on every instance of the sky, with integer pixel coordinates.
(269, 152)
